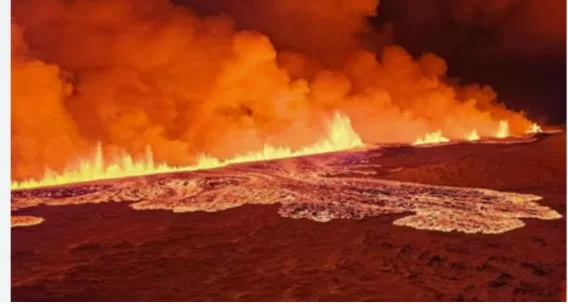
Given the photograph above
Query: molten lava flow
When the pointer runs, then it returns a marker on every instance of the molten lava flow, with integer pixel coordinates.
(432, 138)
(25, 220)
(318, 188)
(341, 136)
(473, 136)
(503, 130)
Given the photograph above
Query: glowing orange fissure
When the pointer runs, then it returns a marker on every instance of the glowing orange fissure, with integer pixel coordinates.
(341, 136)
(437, 137)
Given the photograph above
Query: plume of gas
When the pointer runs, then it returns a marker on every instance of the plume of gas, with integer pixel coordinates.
(134, 74)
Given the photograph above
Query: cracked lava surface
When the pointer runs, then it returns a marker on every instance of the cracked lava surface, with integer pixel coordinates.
(321, 188)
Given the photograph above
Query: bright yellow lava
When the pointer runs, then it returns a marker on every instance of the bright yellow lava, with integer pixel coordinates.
(437, 137)
(473, 136)
(503, 130)
(535, 128)
(341, 136)
(432, 138)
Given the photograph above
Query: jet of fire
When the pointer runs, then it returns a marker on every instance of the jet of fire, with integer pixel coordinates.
(535, 128)
(503, 130)
(432, 138)
(341, 136)
(473, 136)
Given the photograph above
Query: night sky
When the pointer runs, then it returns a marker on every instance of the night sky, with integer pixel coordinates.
(526, 67)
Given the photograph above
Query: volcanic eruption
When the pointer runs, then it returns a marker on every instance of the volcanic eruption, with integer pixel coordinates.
(169, 143)
(139, 76)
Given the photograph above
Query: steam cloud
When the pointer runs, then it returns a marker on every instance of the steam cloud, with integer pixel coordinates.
(133, 74)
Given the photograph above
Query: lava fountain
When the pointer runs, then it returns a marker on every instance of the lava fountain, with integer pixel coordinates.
(340, 136)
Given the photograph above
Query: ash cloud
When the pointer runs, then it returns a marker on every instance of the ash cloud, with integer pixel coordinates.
(133, 74)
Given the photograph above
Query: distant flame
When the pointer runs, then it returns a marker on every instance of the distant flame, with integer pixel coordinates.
(503, 130)
(432, 138)
(341, 136)
(473, 136)
(535, 128)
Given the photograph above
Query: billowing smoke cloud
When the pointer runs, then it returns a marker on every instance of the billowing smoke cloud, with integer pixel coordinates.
(43, 133)
(327, 31)
(133, 74)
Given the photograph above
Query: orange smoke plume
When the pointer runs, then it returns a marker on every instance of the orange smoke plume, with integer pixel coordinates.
(137, 74)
